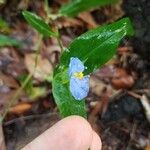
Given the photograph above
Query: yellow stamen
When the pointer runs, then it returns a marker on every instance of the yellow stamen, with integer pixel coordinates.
(78, 75)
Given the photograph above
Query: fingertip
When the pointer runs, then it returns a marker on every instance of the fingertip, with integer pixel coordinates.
(96, 142)
(79, 132)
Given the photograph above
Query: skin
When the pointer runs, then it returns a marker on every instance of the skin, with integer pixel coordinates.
(71, 133)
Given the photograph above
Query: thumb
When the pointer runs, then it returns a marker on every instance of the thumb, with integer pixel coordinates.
(71, 133)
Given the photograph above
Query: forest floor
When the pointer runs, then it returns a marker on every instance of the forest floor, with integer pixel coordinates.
(118, 104)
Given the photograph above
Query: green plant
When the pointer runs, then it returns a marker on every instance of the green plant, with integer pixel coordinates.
(88, 52)
(94, 48)
(76, 6)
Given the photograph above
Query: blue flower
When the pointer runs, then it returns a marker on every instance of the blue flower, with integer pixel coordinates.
(79, 84)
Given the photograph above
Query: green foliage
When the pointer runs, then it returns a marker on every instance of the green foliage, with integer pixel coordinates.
(77, 6)
(4, 27)
(94, 48)
(8, 41)
(97, 46)
(39, 24)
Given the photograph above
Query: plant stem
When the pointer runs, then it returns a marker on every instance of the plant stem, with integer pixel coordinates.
(46, 7)
(59, 43)
(49, 15)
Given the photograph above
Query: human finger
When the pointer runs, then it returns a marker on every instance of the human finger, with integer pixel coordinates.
(96, 143)
(71, 133)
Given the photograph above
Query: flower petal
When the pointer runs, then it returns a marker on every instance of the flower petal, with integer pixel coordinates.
(79, 87)
(75, 66)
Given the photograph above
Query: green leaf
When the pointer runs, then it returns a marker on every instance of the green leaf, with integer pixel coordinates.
(39, 24)
(97, 46)
(4, 27)
(63, 98)
(77, 6)
(8, 41)
(94, 48)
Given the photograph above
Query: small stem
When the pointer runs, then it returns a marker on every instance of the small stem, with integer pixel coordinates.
(59, 43)
(46, 7)
(49, 15)
(134, 95)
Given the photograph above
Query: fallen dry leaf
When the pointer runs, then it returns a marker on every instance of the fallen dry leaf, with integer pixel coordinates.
(87, 17)
(148, 147)
(96, 86)
(113, 12)
(69, 22)
(20, 108)
(8, 81)
(105, 73)
(43, 68)
(121, 79)
(5, 98)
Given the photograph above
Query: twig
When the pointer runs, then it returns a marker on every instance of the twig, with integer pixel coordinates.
(30, 117)
(142, 91)
(134, 95)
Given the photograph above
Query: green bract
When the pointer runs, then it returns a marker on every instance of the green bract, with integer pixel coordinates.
(94, 48)
(77, 6)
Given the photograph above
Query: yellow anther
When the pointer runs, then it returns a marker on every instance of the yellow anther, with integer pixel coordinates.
(78, 75)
